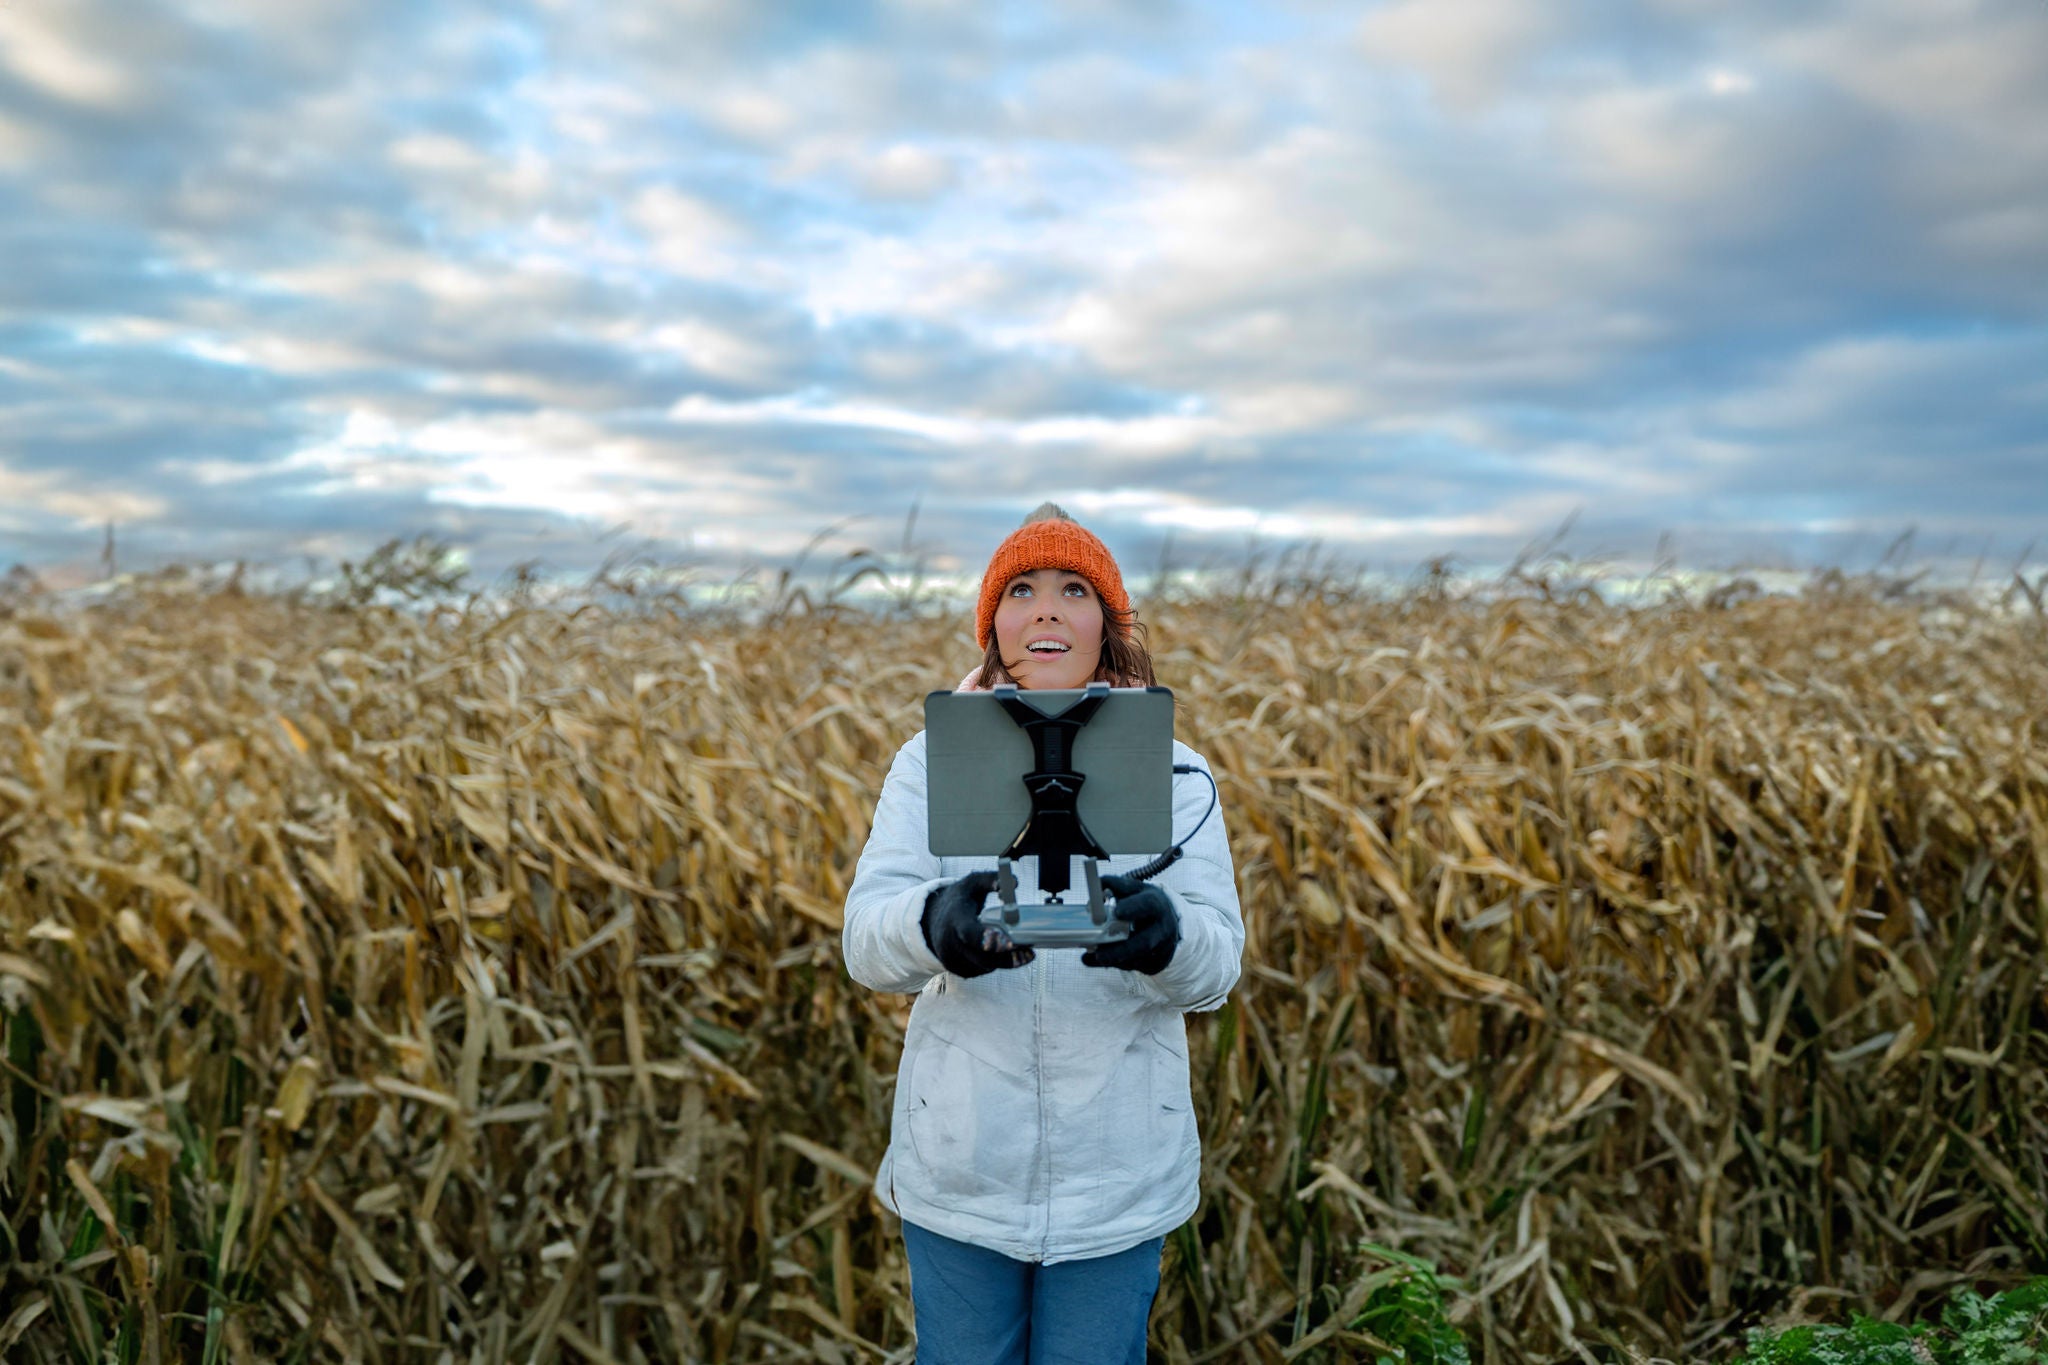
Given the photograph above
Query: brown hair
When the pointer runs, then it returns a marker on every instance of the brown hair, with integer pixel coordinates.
(1125, 661)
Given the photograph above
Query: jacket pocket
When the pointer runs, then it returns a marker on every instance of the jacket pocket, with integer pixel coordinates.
(1175, 1140)
(1140, 1128)
(972, 1129)
(1169, 1072)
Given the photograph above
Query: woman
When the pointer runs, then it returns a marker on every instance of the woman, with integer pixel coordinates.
(1043, 1141)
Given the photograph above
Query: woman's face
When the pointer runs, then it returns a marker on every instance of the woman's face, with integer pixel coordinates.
(1057, 610)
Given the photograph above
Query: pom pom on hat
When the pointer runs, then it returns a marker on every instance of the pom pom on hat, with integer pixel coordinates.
(1049, 539)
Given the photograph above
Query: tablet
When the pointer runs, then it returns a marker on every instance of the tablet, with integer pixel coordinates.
(976, 757)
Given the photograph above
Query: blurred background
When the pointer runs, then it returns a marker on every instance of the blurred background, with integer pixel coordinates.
(1709, 284)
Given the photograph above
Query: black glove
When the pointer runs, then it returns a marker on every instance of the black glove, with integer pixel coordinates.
(954, 932)
(1155, 928)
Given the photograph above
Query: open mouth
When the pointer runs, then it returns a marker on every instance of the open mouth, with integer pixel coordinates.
(1046, 649)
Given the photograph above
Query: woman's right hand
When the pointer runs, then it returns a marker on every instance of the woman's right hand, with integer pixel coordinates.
(954, 932)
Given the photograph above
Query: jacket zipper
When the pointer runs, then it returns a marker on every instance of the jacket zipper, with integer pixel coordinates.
(1042, 966)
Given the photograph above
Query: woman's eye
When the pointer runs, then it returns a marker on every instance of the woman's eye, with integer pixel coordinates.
(1076, 590)
(1021, 590)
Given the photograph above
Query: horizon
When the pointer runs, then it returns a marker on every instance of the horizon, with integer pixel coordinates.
(903, 580)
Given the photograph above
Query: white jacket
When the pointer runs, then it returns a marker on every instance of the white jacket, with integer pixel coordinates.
(1041, 1111)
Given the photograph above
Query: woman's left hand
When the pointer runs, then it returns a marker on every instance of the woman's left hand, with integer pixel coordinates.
(1155, 928)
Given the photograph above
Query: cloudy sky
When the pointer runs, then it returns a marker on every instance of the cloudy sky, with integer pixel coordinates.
(1422, 277)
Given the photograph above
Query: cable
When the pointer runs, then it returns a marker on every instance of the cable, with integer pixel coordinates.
(1172, 855)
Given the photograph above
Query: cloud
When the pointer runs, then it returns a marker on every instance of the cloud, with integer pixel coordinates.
(1882, 417)
(684, 233)
(50, 61)
(27, 497)
(906, 171)
(1467, 49)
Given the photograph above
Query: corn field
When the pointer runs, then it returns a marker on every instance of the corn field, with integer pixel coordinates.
(464, 984)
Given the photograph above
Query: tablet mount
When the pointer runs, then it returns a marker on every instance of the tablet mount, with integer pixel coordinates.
(1053, 833)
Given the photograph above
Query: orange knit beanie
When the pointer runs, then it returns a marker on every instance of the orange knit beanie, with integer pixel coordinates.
(1049, 539)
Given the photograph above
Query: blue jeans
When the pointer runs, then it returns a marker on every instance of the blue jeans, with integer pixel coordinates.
(978, 1307)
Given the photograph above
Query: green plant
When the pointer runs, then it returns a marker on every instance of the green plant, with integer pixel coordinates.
(2007, 1329)
(1405, 1311)
(1863, 1342)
